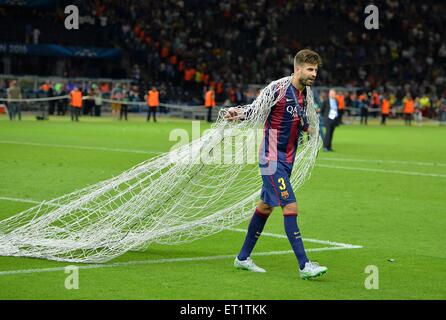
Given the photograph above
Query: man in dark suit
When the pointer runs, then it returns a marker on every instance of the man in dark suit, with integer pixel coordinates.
(330, 114)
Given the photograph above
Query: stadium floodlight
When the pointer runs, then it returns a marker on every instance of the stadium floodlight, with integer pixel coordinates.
(169, 199)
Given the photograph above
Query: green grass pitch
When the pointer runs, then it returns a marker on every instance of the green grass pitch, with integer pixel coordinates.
(384, 188)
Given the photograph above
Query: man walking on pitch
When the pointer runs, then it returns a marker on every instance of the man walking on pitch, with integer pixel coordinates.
(209, 102)
(76, 103)
(14, 108)
(385, 108)
(153, 103)
(283, 126)
(330, 113)
(408, 109)
(363, 107)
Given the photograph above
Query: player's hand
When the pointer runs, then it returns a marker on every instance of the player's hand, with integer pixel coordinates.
(233, 114)
(310, 131)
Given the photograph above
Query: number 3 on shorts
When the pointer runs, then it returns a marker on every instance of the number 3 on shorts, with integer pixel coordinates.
(282, 185)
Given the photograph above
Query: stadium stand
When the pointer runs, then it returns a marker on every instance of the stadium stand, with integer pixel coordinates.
(185, 46)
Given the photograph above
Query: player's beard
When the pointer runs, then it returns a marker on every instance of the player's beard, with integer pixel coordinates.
(307, 81)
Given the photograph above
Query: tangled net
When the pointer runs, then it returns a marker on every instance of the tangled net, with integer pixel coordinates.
(194, 191)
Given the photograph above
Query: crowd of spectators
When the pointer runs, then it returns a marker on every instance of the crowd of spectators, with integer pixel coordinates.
(188, 45)
(365, 104)
(230, 43)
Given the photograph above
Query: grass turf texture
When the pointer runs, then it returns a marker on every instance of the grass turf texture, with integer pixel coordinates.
(392, 214)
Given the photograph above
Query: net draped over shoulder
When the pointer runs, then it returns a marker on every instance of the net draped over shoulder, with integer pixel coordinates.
(197, 190)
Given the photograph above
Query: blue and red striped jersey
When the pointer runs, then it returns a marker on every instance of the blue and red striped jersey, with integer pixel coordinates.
(283, 126)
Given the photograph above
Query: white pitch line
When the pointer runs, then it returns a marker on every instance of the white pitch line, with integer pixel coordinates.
(433, 164)
(19, 200)
(160, 261)
(35, 144)
(160, 152)
(28, 201)
(334, 246)
(410, 173)
(281, 236)
(274, 235)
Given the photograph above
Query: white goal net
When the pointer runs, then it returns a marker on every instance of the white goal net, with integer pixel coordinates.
(176, 197)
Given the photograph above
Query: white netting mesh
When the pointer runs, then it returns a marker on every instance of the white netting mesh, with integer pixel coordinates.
(176, 197)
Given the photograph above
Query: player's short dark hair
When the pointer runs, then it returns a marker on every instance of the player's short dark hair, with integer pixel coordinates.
(307, 56)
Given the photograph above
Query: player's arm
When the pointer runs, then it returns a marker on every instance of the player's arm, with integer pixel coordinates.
(238, 113)
(305, 125)
(241, 112)
(245, 112)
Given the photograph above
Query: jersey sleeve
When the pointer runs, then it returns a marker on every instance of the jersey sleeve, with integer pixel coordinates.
(250, 108)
